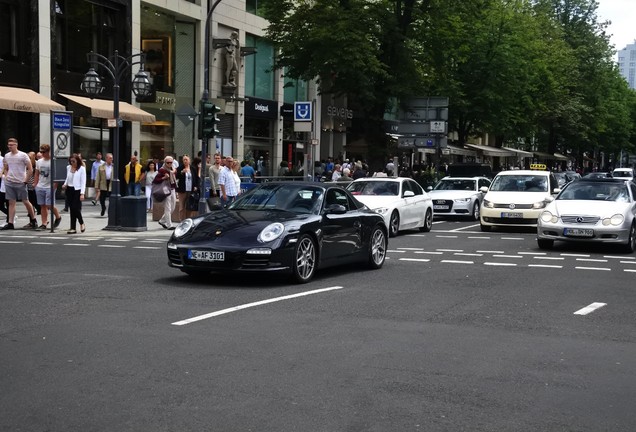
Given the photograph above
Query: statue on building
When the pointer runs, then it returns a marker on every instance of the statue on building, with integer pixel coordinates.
(231, 64)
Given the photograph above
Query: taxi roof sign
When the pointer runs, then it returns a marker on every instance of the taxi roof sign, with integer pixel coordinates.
(535, 166)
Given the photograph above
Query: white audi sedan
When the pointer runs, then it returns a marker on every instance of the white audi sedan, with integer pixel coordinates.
(458, 196)
(591, 210)
(401, 201)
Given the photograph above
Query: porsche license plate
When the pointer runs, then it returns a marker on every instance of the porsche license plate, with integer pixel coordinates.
(515, 215)
(206, 255)
(578, 232)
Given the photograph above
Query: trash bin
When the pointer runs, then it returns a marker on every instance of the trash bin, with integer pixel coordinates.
(133, 214)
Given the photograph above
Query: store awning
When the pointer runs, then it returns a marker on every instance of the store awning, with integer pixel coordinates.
(426, 150)
(550, 156)
(560, 156)
(454, 150)
(491, 151)
(26, 100)
(520, 153)
(102, 108)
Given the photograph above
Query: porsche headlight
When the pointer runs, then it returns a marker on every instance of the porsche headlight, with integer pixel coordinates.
(462, 200)
(184, 227)
(381, 210)
(548, 217)
(271, 232)
(615, 220)
(488, 204)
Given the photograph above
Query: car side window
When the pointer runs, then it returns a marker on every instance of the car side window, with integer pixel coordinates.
(406, 187)
(633, 189)
(416, 188)
(337, 196)
(553, 183)
(483, 182)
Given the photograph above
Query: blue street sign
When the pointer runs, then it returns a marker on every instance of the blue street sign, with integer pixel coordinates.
(429, 143)
(61, 121)
(302, 111)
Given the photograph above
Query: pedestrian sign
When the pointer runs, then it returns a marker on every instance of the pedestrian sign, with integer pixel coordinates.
(303, 112)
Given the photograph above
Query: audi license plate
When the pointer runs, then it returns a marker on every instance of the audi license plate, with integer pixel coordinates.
(578, 232)
(206, 255)
(440, 207)
(511, 215)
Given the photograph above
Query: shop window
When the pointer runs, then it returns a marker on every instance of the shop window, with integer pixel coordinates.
(14, 31)
(259, 79)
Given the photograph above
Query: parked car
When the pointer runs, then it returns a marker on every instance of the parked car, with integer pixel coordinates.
(623, 173)
(292, 227)
(597, 174)
(591, 210)
(516, 198)
(458, 196)
(565, 177)
(401, 201)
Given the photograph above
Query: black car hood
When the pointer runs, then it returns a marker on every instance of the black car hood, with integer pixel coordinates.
(242, 226)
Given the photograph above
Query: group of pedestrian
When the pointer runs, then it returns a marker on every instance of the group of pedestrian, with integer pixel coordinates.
(225, 180)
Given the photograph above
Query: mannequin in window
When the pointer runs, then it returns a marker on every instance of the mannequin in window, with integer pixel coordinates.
(231, 65)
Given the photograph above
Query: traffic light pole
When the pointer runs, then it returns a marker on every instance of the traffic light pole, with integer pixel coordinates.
(203, 208)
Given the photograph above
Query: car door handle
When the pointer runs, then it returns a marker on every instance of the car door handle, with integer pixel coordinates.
(357, 224)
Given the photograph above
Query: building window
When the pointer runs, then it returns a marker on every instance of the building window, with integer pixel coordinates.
(259, 79)
(14, 31)
(255, 6)
(295, 90)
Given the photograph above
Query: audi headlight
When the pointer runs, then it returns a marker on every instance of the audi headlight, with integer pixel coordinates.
(615, 220)
(548, 217)
(186, 226)
(462, 200)
(271, 232)
(381, 210)
(488, 204)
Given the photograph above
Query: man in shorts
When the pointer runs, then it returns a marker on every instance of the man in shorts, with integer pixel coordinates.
(17, 170)
(42, 184)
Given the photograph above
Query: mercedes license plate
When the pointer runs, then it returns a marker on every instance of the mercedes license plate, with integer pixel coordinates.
(440, 207)
(206, 255)
(515, 215)
(578, 232)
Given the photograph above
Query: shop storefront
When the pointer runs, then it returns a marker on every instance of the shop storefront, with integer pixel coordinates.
(260, 118)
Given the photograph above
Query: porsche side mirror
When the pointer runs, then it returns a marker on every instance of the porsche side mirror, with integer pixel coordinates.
(335, 209)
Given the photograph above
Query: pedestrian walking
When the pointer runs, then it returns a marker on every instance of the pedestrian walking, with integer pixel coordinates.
(167, 174)
(42, 184)
(229, 191)
(133, 175)
(74, 185)
(103, 184)
(17, 169)
(151, 173)
(187, 183)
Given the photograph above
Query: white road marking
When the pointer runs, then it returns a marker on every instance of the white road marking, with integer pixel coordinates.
(549, 258)
(589, 309)
(512, 238)
(415, 259)
(630, 270)
(10, 242)
(146, 247)
(429, 253)
(468, 254)
(76, 244)
(575, 255)
(450, 250)
(619, 257)
(42, 243)
(411, 249)
(593, 268)
(545, 266)
(490, 252)
(396, 251)
(628, 262)
(591, 260)
(249, 305)
(111, 246)
(117, 240)
(531, 253)
(500, 264)
(464, 228)
(457, 262)
(507, 256)
(446, 236)
(480, 238)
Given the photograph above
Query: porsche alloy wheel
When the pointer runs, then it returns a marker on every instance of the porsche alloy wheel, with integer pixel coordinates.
(305, 260)
(394, 224)
(377, 248)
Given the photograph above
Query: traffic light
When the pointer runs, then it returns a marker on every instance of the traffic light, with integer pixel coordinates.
(208, 120)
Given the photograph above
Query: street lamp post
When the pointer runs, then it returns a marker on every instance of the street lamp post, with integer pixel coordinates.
(117, 67)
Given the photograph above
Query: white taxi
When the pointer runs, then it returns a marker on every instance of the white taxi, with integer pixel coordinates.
(516, 198)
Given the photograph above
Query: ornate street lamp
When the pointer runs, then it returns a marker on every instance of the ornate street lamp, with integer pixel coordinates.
(117, 67)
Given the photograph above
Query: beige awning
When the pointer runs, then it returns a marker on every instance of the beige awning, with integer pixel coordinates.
(25, 100)
(102, 108)
(560, 156)
(520, 153)
(491, 151)
(454, 150)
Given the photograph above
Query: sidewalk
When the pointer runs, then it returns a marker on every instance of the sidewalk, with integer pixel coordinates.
(94, 222)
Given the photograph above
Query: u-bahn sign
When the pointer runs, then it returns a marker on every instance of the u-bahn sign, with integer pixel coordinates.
(61, 128)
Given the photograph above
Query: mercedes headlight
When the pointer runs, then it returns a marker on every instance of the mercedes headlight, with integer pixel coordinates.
(548, 217)
(615, 220)
(271, 232)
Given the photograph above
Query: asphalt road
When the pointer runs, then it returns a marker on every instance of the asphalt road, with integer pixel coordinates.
(460, 331)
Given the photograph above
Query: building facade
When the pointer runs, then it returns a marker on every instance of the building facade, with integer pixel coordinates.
(627, 64)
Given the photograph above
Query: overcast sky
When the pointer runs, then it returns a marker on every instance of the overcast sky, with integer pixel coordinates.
(622, 14)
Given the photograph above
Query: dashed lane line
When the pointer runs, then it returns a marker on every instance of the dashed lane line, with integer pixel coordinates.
(457, 262)
(446, 236)
(450, 250)
(250, 305)
(490, 252)
(500, 264)
(594, 268)
(549, 258)
(591, 260)
(590, 308)
(77, 244)
(574, 255)
(429, 252)
(146, 247)
(545, 266)
(415, 259)
(468, 254)
(532, 253)
(111, 246)
(513, 238)
(507, 256)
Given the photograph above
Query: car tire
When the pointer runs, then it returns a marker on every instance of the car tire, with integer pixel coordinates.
(305, 260)
(394, 224)
(630, 247)
(475, 215)
(377, 248)
(545, 243)
(428, 221)
(485, 228)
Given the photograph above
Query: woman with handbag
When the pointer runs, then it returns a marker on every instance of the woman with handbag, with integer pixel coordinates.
(187, 183)
(166, 180)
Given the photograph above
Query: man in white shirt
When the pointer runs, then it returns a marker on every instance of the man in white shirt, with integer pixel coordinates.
(42, 185)
(3, 203)
(17, 170)
(229, 191)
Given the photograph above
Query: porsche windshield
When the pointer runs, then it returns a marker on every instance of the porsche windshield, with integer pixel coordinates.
(374, 188)
(455, 185)
(287, 197)
(520, 183)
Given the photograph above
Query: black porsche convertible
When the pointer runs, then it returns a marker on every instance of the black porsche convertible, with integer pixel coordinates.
(293, 227)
